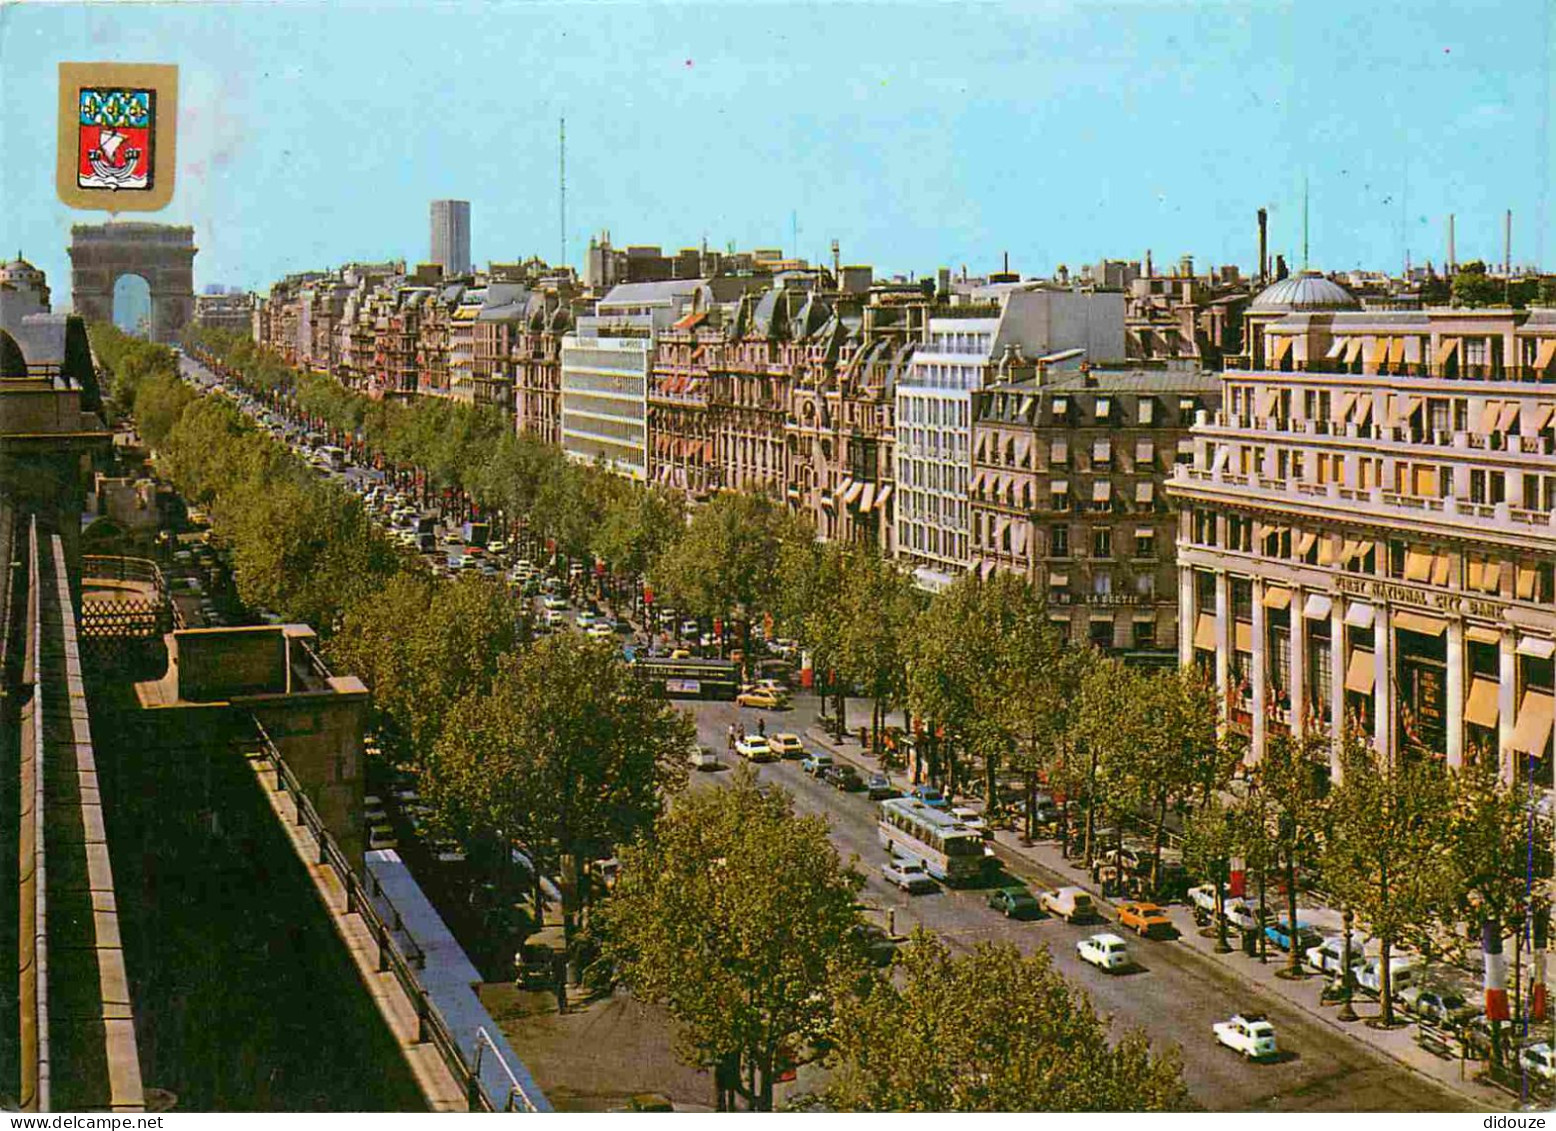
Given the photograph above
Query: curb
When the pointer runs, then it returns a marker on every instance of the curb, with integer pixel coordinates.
(1011, 855)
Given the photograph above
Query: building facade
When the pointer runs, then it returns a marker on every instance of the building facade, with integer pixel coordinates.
(1368, 529)
(450, 237)
(1068, 490)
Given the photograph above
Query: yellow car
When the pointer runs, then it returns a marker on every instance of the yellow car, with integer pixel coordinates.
(680, 654)
(759, 697)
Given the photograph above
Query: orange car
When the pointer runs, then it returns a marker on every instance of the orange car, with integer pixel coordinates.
(1145, 918)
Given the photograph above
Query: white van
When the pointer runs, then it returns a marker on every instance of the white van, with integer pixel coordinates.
(1404, 970)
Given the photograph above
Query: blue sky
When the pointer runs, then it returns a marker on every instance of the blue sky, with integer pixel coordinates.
(917, 134)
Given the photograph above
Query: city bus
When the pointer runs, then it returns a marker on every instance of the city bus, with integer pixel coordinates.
(690, 679)
(951, 852)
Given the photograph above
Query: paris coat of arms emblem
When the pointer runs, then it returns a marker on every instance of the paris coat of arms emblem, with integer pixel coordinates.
(118, 124)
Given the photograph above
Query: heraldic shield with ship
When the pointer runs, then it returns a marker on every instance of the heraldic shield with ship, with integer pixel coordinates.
(115, 138)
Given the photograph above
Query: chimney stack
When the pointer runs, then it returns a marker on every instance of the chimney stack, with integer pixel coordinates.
(1148, 272)
(1264, 245)
(1507, 244)
(837, 264)
(1452, 265)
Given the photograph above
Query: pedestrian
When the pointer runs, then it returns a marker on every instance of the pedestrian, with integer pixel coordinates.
(761, 726)
(732, 736)
(742, 731)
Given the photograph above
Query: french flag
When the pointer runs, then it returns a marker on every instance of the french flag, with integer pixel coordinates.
(1539, 1005)
(1496, 970)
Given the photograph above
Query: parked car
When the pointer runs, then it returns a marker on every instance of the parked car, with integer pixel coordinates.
(381, 836)
(930, 796)
(1069, 903)
(1105, 951)
(1248, 1033)
(879, 787)
(1146, 920)
(1203, 900)
(1014, 902)
(553, 603)
(973, 820)
(844, 778)
(1539, 1060)
(757, 697)
(1244, 916)
(587, 619)
(1405, 970)
(1327, 955)
(755, 748)
(786, 745)
(816, 762)
(1440, 1004)
(909, 875)
(600, 630)
(1303, 938)
(690, 628)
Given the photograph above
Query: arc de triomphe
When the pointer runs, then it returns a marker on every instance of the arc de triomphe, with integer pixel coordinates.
(163, 255)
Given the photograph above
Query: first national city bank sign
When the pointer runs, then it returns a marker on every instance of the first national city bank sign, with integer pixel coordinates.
(118, 125)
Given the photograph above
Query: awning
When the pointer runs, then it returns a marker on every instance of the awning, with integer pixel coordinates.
(1352, 350)
(1101, 491)
(1483, 635)
(1488, 416)
(981, 452)
(1060, 452)
(1277, 597)
(1363, 410)
(1547, 354)
(1349, 551)
(1148, 410)
(1326, 551)
(1359, 615)
(1145, 451)
(1223, 453)
(988, 568)
(793, 492)
(1491, 577)
(1282, 348)
(1418, 565)
(1442, 566)
(854, 491)
(1144, 618)
(1359, 673)
(1536, 416)
(1061, 405)
(883, 498)
(1205, 632)
(1533, 729)
(1524, 582)
(976, 485)
(1185, 447)
(1101, 618)
(1305, 544)
(1058, 581)
(1023, 450)
(1445, 350)
(1145, 532)
(1536, 647)
(1336, 349)
(867, 499)
(1242, 639)
(1343, 409)
(1102, 451)
(1419, 622)
(1145, 494)
(1509, 414)
(1482, 707)
(1396, 351)
(1104, 408)
(1059, 487)
(1377, 352)
(1019, 539)
(1267, 399)
(1318, 607)
(1059, 618)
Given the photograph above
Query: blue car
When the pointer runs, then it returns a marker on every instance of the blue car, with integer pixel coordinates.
(1279, 933)
(930, 796)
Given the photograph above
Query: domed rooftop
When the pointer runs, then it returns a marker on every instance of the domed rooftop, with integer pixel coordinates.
(1307, 291)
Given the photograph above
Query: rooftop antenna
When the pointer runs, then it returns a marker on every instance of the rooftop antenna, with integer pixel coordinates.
(794, 234)
(1304, 222)
(562, 183)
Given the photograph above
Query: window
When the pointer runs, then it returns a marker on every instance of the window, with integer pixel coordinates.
(1145, 543)
(1498, 487)
(1102, 583)
(1147, 412)
(1477, 485)
(1242, 598)
(1204, 528)
(1239, 534)
(1102, 542)
(1102, 633)
(1204, 591)
(1059, 541)
(1145, 634)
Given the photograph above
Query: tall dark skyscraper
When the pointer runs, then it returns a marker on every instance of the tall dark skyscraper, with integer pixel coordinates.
(451, 235)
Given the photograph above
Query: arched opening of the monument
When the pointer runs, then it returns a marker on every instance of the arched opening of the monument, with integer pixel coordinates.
(132, 305)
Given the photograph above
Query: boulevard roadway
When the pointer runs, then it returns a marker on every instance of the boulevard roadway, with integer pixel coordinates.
(1173, 993)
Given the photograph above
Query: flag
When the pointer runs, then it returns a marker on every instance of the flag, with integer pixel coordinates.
(1496, 970)
(1539, 1004)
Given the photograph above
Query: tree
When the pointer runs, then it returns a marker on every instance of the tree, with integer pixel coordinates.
(876, 608)
(1114, 723)
(739, 917)
(1386, 854)
(1209, 838)
(638, 525)
(990, 1031)
(1293, 777)
(568, 754)
(1036, 679)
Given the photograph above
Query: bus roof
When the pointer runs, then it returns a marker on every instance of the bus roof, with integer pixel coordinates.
(706, 665)
(943, 821)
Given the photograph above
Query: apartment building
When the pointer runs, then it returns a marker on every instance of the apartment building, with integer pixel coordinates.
(1368, 528)
(1068, 490)
(964, 348)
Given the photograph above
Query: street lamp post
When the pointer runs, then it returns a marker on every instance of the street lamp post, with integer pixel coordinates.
(1347, 1013)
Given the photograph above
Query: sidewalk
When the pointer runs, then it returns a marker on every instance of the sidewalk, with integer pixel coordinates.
(1399, 1044)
